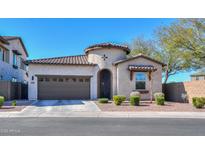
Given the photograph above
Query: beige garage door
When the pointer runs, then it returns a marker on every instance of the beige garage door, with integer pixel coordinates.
(63, 88)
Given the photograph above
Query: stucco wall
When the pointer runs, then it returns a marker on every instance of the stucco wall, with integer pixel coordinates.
(37, 69)
(125, 86)
(6, 68)
(173, 91)
(16, 45)
(112, 55)
(7, 71)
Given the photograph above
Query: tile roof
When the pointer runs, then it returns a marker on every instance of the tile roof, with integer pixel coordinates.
(107, 45)
(138, 56)
(8, 38)
(67, 60)
(200, 73)
(142, 68)
(3, 40)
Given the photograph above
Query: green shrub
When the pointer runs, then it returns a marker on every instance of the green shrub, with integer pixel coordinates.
(134, 100)
(118, 99)
(103, 100)
(135, 93)
(159, 94)
(13, 103)
(159, 98)
(1, 101)
(198, 102)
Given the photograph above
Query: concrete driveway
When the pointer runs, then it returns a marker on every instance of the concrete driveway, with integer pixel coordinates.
(57, 108)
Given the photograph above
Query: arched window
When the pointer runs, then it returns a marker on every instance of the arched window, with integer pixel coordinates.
(140, 80)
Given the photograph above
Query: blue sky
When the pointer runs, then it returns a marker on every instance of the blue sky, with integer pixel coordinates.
(62, 37)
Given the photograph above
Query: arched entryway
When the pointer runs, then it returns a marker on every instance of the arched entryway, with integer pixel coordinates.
(104, 84)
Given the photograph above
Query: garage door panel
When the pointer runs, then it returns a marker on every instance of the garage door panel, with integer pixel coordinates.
(67, 88)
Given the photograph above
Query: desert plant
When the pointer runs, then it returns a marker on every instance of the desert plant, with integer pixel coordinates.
(13, 103)
(198, 102)
(159, 98)
(2, 99)
(135, 93)
(103, 100)
(118, 99)
(134, 100)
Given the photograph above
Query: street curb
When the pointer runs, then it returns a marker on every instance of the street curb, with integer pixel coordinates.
(99, 114)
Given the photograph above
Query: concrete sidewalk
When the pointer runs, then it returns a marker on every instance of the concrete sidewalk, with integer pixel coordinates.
(200, 115)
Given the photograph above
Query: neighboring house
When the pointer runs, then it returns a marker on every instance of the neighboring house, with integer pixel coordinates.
(198, 76)
(13, 55)
(103, 71)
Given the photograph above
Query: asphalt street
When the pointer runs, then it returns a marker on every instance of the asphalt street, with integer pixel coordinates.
(65, 126)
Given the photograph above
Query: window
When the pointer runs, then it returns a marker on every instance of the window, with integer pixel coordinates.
(67, 79)
(47, 79)
(60, 80)
(1, 54)
(54, 79)
(74, 79)
(22, 64)
(87, 80)
(197, 78)
(15, 59)
(14, 79)
(140, 80)
(80, 80)
(40, 79)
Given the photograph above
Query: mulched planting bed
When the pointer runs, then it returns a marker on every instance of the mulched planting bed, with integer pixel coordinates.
(7, 107)
(152, 107)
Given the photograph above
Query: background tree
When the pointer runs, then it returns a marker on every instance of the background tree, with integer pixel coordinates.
(181, 46)
(142, 46)
(186, 36)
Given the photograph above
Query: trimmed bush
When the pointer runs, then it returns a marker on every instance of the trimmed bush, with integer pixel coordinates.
(198, 102)
(13, 103)
(159, 98)
(134, 100)
(1, 101)
(118, 99)
(103, 100)
(135, 93)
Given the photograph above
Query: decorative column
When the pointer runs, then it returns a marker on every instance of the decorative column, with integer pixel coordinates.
(150, 85)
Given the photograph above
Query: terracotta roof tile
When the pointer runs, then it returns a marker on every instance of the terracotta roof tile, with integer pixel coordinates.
(142, 68)
(107, 45)
(138, 56)
(67, 60)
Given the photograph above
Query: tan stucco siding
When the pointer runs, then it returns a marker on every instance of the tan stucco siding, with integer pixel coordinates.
(125, 86)
(112, 55)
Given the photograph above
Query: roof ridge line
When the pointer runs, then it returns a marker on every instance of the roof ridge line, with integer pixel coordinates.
(58, 57)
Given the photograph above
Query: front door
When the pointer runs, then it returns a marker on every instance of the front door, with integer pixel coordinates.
(105, 84)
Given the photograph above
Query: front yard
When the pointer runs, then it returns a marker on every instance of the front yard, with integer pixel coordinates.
(20, 105)
(149, 107)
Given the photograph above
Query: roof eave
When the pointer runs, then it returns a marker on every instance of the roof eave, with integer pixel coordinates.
(59, 64)
(138, 56)
(14, 38)
(3, 40)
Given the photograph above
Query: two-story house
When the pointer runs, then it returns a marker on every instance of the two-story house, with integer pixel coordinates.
(200, 75)
(13, 55)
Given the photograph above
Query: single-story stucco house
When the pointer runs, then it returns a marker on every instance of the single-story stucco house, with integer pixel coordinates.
(104, 71)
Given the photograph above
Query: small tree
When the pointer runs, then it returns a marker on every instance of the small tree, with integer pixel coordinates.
(157, 49)
(142, 46)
